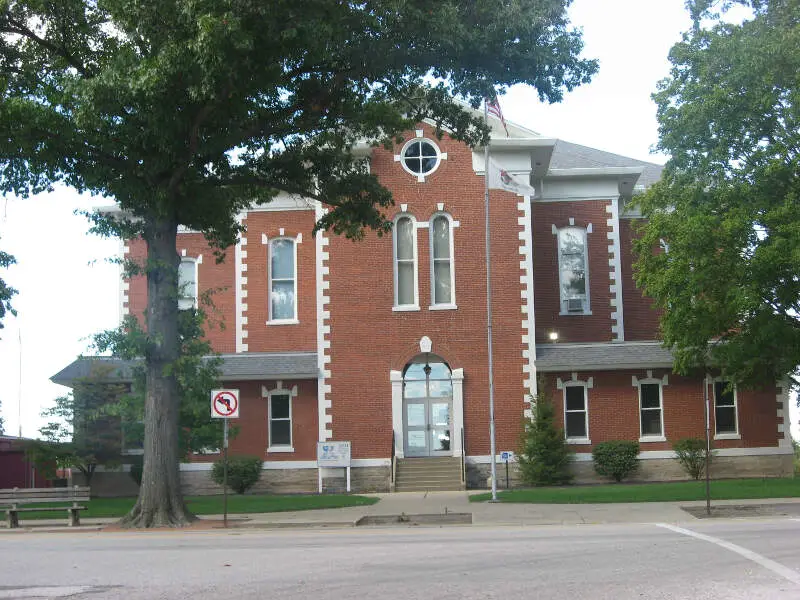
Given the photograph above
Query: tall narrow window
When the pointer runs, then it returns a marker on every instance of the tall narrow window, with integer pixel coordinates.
(405, 255)
(187, 284)
(650, 411)
(576, 423)
(442, 288)
(280, 421)
(725, 417)
(572, 273)
(283, 280)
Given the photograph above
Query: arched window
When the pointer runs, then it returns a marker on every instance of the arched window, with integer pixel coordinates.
(405, 264)
(572, 270)
(442, 271)
(283, 280)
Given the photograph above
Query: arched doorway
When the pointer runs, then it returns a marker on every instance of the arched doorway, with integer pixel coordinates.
(427, 407)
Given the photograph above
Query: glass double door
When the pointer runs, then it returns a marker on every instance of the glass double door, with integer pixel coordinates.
(427, 426)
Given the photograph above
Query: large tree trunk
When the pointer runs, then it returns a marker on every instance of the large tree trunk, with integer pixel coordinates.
(160, 502)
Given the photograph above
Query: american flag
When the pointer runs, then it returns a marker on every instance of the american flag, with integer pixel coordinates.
(493, 108)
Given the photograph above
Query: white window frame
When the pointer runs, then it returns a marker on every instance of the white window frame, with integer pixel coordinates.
(638, 383)
(185, 302)
(586, 299)
(450, 224)
(574, 384)
(419, 137)
(726, 435)
(294, 319)
(280, 447)
(397, 306)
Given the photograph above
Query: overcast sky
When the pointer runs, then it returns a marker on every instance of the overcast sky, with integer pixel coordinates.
(68, 292)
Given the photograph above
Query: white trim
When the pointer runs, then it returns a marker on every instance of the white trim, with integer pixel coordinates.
(397, 306)
(668, 454)
(124, 283)
(457, 380)
(585, 385)
(615, 273)
(321, 242)
(783, 411)
(271, 242)
(527, 308)
(452, 260)
(396, 379)
(183, 301)
(239, 289)
(650, 380)
(419, 138)
(443, 307)
(587, 305)
(726, 435)
(280, 391)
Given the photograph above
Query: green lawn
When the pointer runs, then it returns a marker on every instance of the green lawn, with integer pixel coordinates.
(212, 505)
(681, 491)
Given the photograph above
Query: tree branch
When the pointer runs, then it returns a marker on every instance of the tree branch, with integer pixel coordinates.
(20, 29)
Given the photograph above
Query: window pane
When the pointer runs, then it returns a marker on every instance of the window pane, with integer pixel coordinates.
(427, 165)
(439, 371)
(576, 425)
(575, 397)
(280, 407)
(414, 389)
(651, 422)
(441, 238)
(723, 393)
(186, 282)
(404, 230)
(726, 419)
(441, 278)
(427, 149)
(415, 371)
(440, 388)
(281, 433)
(650, 395)
(572, 250)
(283, 299)
(413, 150)
(282, 259)
(405, 283)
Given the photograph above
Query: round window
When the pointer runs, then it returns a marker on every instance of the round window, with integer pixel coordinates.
(421, 157)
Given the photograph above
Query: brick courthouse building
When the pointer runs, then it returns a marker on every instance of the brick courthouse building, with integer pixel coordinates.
(382, 342)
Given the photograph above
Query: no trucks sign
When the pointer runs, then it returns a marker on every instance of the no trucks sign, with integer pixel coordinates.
(225, 404)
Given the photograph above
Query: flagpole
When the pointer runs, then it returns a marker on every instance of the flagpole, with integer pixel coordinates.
(492, 449)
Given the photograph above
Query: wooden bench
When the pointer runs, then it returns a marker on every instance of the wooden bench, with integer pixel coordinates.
(11, 501)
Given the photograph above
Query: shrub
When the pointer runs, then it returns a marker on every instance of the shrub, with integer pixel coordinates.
(544, 456)
(691, 454)
(617, 459)
(243, 472)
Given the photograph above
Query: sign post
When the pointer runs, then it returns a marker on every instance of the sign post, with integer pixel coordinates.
(507, 456)
(333, 454)
(225, 405)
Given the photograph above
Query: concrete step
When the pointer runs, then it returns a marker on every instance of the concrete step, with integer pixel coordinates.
(429, 487)
(429, 481)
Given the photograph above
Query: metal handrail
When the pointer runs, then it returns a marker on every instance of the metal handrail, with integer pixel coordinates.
(463, 458)
(394, 459)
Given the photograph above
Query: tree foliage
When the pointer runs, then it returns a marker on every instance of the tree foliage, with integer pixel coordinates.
(6, 291)
(728, 207)
(185, 112)
(80, 433)
(2, 423)
(544, 457)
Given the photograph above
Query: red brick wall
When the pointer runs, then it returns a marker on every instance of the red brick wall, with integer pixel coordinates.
(641, 319)
(571, 328)
(219, 279)
(368, 339)
(253, 425)
(263, 337)
(614, 410)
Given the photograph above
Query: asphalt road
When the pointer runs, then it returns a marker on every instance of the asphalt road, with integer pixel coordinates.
(729, 559)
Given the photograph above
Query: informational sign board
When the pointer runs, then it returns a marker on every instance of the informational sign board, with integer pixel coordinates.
(507, 456)
(333, 454)
(225, 404)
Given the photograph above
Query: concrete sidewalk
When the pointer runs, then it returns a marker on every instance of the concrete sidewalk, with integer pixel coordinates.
(439, 503)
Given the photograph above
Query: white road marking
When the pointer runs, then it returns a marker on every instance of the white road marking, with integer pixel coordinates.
(765, 562)
(43, 592)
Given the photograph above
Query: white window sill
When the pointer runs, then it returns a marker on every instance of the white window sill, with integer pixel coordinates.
(443, 307)
(652, 438)
(588, 313)
(405, 308)
(727, 436)
(276, 449)
(284, 322)
(579, 441)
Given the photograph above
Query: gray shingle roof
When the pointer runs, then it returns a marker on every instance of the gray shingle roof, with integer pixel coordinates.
(601, 357)
(235, 367)
(567, 155)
